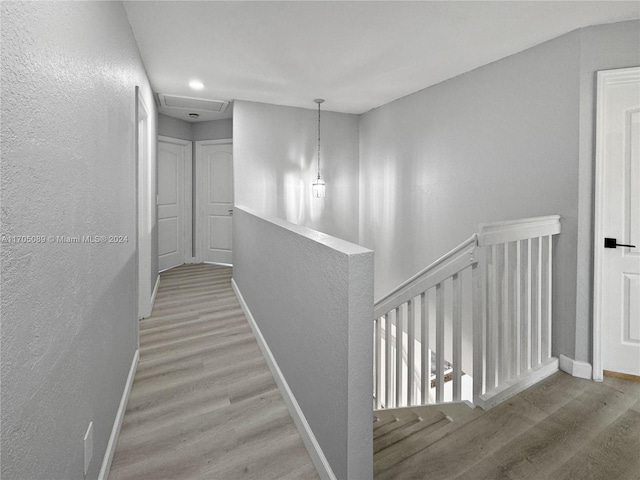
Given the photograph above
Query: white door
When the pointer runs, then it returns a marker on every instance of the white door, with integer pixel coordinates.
(617, 268)
(215, 201)
(174, 202)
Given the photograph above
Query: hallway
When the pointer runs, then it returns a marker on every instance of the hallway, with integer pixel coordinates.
(203, 403)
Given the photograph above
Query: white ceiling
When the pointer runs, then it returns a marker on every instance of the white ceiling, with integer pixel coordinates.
(357, 55)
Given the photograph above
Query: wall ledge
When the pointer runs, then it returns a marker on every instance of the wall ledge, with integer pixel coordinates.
(335, 243)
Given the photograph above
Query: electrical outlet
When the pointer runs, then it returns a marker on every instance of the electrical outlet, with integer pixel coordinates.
(88, 447)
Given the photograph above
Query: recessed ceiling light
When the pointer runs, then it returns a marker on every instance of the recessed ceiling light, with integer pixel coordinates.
(196, 84)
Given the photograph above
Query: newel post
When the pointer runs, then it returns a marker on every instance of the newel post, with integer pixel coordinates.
(479, 279)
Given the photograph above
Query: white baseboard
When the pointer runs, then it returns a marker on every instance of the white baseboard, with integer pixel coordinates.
(493, 397)
(576, 368)
(149, 307)
(117, 423)
(219, 264)
(308, 438)
(154, 293)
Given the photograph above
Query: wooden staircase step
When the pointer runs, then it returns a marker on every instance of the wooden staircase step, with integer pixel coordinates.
(400, 434)
(423, 411)
(382, 421)
(400, 421)
(418, 441)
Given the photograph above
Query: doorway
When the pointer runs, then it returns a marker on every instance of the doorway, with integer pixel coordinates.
(214, 201)
(174, 202)
(616, 345)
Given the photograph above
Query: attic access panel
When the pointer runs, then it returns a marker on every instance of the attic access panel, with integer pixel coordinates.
(189, 103)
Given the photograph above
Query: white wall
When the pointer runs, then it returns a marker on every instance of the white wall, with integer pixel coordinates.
(508, 140)
(173, 127)
(494, 144)
(312, 297)
(177, 128)
(69, 319)
(212, 130)
(275, 163)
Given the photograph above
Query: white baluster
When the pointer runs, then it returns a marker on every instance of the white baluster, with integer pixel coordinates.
(492, 320)
(425, 356)
(479, 294)
(540, 304)
(378, 372)
(399, 328)
(440, 342)
(518, 309)
(529, 306)
(548, 295)
(505, 320)
(411, 335)
(457, 338)
(387, 362)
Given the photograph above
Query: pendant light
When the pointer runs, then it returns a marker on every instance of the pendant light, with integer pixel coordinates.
(318, 185)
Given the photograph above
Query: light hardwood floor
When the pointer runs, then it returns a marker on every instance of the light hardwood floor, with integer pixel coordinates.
(204, 404)
(562, 428)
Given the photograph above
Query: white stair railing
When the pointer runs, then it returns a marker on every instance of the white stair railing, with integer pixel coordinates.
(513, 312)
(432, 299)
(482, 312)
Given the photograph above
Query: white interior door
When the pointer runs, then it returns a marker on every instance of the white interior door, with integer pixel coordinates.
(215, 201)
(618, 219)
(174, 202)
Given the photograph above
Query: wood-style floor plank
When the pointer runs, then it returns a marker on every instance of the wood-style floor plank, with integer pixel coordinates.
(563, 428)
(204, 404)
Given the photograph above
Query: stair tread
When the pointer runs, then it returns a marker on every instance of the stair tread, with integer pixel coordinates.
(380, 422)
(423, 411)
(418, 441)
(398, 423)
(400, 434)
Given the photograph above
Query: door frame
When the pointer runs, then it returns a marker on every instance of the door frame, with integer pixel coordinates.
(143, 214)
(187, 203)
(199, 244)
(605, 78)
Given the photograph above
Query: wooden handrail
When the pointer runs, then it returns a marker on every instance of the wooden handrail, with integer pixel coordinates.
(449, 264)
(514, 230)
(489, 234)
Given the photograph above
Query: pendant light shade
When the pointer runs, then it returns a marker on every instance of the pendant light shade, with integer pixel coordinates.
(318, 188)
(318, 185)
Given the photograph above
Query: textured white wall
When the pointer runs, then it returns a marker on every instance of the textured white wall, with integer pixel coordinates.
(69, 319)
(275, 163)
(312, 298)
(498, 143)
(511, 139)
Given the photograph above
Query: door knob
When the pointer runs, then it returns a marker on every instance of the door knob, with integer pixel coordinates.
(230, 211)
(613, 243)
